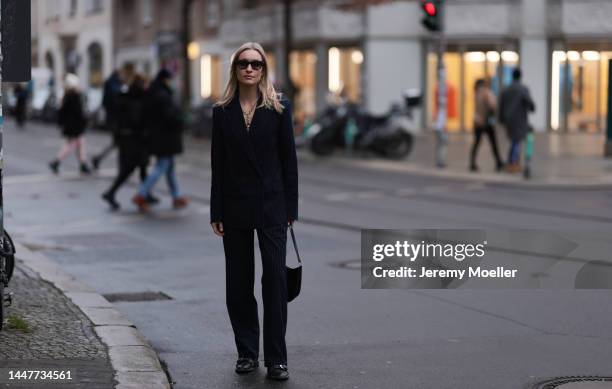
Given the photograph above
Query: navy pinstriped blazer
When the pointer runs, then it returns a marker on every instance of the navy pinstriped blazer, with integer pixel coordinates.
(254, 173)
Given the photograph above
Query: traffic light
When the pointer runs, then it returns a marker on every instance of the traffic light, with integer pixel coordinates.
(431, 18)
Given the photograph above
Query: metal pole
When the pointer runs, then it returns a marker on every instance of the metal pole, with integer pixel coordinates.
(185, 41)
(1, 142)
(608, 150)
(287, 44)
(440, 126)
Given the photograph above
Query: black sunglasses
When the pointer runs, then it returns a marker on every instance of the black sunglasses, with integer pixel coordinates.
(255, 65)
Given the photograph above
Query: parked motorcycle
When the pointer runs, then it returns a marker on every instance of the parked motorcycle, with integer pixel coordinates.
(350, 127)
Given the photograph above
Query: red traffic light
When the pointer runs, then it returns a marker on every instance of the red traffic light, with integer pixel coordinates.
(430, 8)
(432, 14)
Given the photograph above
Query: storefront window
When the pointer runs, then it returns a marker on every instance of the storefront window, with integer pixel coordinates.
(579, 90)
(95, 65)
(463, 70)
(302, 66)
(345, 72)
(475, 69)
(271, 66)
(606, 56)
(452, 61)
(210, 77)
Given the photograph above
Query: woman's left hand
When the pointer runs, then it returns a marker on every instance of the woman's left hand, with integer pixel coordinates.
(290, 222)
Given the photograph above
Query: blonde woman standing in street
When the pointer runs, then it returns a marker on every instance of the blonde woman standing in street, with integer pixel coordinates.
(254, 188)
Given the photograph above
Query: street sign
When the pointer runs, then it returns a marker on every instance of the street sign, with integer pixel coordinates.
(16, 41)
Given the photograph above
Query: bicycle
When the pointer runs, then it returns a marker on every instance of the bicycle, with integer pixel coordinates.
(7, 266)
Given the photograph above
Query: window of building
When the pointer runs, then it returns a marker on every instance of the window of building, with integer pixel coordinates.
(579, 95)
(147, 12)
(213, 13)
(94, 54)
(73, 8)
(463, 69)
(345, 72)
(94, 6)
(302, 70)
(52, 10)
(211, 74)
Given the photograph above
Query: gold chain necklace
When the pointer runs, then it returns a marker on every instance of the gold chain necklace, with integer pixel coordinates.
(248, 116)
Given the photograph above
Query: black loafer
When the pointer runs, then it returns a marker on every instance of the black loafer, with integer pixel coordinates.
(278, 373)
(246, 365)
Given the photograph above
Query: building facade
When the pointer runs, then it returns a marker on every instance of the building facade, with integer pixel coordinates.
(372, 53)
(75, 36)
(327, 55)
(147, 34)
(366, 51)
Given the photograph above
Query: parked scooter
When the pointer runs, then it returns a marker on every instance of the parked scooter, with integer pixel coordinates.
(350, 127)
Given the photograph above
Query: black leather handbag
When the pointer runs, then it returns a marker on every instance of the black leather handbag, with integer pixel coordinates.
(294, 275)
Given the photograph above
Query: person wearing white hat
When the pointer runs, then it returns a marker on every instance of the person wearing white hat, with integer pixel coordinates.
(72, 120)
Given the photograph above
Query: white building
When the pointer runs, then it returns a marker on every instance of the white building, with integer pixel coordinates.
(373, 53)
(75, 36)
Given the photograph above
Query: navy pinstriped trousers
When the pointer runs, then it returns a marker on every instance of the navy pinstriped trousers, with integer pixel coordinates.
(238, 245)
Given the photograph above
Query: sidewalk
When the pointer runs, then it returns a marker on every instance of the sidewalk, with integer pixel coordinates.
(560, 160)
(58, 324)
(46, 331)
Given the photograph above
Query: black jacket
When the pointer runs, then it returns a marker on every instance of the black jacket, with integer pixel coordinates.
(514, 105)
(254, 173)
(130, 121)
(112, 89)
(163, 121)
(71, 116)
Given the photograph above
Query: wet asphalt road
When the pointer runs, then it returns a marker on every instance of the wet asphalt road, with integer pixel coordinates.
(339, 336)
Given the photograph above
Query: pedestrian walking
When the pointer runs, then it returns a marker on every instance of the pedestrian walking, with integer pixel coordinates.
(112, 90)
(514, 106)
(164, 130)
(21, 96)
(131, 140)
(485, 105)
(254, 188)
(72, 120)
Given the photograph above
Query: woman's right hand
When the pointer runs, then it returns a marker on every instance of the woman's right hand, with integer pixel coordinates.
(218, 228)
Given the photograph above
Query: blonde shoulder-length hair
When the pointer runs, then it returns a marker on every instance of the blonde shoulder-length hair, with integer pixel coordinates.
(270, 99)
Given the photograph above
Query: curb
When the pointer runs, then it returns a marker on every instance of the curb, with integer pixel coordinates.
(134, 361)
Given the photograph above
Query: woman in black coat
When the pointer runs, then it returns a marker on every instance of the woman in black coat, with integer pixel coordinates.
(254, 187)
(72, 120)
(164, 130)
(130, 137)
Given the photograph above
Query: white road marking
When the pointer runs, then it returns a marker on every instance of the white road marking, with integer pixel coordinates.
(371, 194)
(338, 196)
(405, 192)
(436, 189)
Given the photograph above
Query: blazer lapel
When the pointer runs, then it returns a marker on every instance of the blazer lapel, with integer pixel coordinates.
(238, 125)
